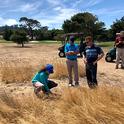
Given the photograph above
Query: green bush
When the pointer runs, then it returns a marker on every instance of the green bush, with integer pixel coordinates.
(19, 37)
(7, 34)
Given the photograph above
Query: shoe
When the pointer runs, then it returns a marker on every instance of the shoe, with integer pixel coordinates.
(122, 67)
(77, 84)
(70, 85)
(92, 86)
(116, 67)
(35, 91)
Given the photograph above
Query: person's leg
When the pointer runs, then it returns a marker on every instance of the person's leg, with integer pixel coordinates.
(94, 74)
(69, 68)
(37, 87)
(88, 75)
(122, 58)
(117, 57)
(51, 84)
(76, 76)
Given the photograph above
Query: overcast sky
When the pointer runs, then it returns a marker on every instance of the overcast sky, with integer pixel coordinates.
(52, 13)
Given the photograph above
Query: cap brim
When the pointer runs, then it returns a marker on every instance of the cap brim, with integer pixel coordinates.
(50, 71)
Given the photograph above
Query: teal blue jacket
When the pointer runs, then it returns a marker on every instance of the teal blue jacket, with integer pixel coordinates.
(43, 78)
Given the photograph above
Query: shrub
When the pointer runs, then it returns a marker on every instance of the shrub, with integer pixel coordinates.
(19, 37)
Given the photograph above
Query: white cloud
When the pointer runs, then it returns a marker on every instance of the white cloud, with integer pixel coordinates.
(57, 8)
(28, 7)
(107, 12)
(78, 2)
(93, 2)
(20, 6)
(58, 19)
(7, 3)
(8, 22)
(54, 12)
(54, 2)
(85, 4)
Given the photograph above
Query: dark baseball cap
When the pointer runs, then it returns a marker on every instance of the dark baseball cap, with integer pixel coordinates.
(72, 38)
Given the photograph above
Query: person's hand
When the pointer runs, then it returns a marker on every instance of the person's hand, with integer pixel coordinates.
(48, 93)
(85, 61)
(71, 52)
(94, 62)
(120, 41)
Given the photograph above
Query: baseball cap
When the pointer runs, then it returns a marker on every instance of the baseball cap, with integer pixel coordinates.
(122, 33)
(72, 38)
(49, 68)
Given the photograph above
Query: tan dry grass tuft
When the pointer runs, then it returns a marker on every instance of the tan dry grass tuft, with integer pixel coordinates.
(104, 105)
(60, 68)
(19, 72)
(19, 109)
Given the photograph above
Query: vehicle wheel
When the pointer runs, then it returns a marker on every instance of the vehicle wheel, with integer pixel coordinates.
(108, 59)
(61, 54)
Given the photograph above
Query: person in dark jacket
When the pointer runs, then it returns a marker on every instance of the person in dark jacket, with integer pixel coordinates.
(92, 55)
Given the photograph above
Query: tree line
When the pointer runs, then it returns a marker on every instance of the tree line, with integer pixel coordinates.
(89, 24)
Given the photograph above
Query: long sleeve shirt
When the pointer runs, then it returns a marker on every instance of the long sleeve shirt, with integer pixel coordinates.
(43, 78)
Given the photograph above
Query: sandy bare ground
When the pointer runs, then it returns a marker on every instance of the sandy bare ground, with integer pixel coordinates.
(33, 53)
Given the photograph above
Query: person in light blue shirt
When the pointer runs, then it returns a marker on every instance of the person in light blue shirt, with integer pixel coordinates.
(40, 80)
(71, 51)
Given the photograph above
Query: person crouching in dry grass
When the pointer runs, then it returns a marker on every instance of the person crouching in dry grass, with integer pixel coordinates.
(40, 80)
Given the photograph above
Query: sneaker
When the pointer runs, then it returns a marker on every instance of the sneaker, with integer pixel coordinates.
(122, 67)
(70, 85)
(77, 84)
(35, 91)
(116, 67)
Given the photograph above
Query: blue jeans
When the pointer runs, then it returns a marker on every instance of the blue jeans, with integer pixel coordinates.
(91, 74)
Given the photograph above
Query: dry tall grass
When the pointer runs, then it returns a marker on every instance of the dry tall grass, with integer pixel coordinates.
(16, 71)
(22, 71)
(104, 105)
(19, 109)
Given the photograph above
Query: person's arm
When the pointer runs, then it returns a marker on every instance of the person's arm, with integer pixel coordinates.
(46, 86)
(84, 58)
(99, 57)
(67, 51)
(101, 54)
(117, 43)
(44, 81)
(76, 51)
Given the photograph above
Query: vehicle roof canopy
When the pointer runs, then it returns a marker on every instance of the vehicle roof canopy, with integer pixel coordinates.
(73, 34)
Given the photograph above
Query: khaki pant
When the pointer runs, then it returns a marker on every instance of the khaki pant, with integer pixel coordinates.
(72, 65)
(120, 55)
